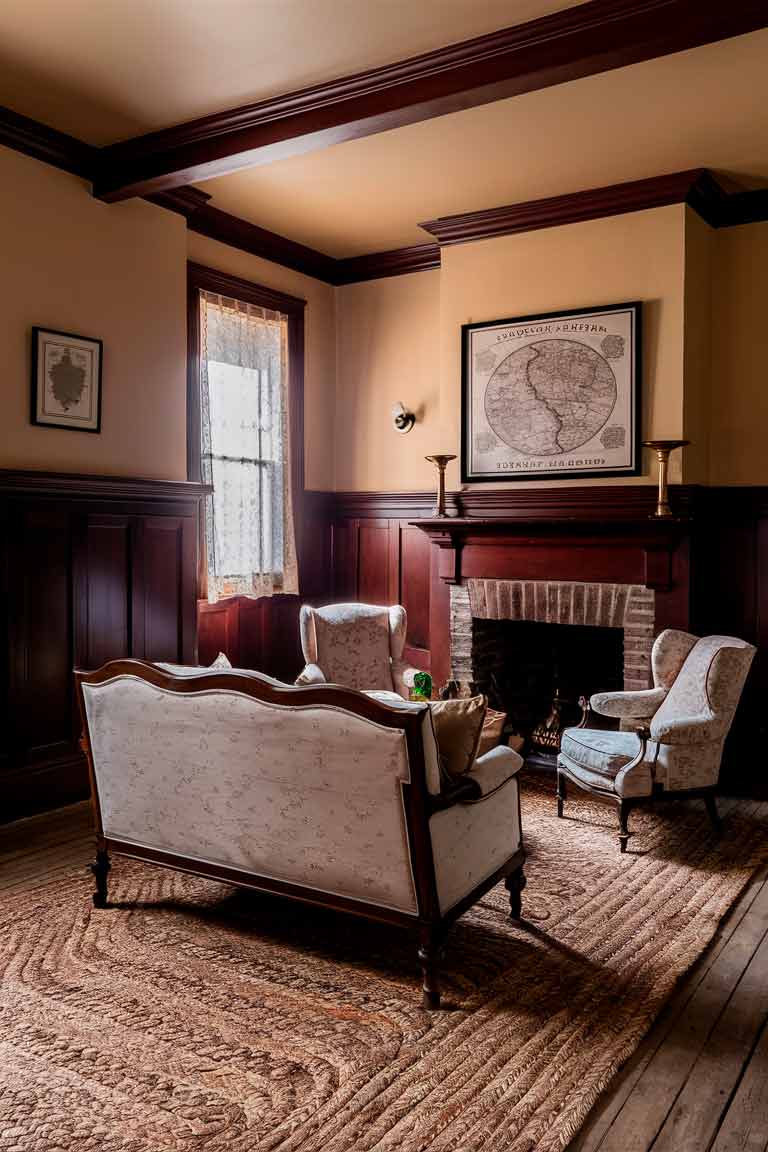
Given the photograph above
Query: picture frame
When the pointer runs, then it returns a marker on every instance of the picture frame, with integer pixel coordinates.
(552, 396)
(66, 380)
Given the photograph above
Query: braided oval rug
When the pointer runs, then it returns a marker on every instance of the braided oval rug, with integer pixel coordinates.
(193, 1016)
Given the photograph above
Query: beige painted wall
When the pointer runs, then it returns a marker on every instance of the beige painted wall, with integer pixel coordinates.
(320, 345)
(697, 354)
(739, 440)
(388, 350)
(639, 256)
(112, 271)
(400, 338)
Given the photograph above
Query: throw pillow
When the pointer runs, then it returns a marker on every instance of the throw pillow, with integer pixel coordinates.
(458, 725)
(493, 727)
(221, 661)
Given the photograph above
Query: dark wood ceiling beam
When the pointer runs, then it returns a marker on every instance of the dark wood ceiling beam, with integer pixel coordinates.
(575, 42)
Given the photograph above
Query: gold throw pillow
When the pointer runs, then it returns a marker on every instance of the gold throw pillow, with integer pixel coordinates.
(493, 729)
(458, 725)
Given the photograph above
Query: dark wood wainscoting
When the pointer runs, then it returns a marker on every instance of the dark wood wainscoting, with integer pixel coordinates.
(710, 572)
(714, 578)
(91, 569)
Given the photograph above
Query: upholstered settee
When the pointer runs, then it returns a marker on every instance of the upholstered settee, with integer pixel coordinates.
(322, 794)
(357, 645)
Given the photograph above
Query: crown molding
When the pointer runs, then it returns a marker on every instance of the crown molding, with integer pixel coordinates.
(696, 187)
(395, 262)
(47, 144)
(238, 233)
(578, 41)
(185, 201)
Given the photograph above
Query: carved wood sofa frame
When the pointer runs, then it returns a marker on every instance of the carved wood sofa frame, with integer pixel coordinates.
(431, 926)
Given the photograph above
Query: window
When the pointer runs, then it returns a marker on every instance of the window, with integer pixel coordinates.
(243, 424)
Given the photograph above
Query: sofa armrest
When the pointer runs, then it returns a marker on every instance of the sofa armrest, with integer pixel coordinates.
(310, 674)
(628, 705)
(491, 771)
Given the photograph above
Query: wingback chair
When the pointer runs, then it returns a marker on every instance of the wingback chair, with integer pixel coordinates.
(672, 735)
(356, 645)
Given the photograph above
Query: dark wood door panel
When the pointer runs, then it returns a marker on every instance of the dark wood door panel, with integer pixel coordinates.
(40, 631)
(158, 588)
(373, 565)
(413, 592)
(103, 580)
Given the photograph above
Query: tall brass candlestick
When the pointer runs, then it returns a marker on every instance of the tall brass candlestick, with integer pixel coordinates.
(440, 462)
(662, 449)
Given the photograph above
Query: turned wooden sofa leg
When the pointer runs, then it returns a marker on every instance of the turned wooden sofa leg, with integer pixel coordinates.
(430, 954)
(624, 809)
(100, 869)
(562, 793)
(714, 816)
(515, 883)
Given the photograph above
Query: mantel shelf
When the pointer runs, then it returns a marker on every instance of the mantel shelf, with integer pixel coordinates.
(462, 526)
(656, 538)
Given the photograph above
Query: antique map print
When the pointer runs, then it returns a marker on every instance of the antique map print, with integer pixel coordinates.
(67, 371)
(551, 395)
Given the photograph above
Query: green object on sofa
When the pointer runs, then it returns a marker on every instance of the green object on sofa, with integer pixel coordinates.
(422, 686)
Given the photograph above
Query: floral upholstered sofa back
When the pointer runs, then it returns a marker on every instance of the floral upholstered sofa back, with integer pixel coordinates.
(307, 794)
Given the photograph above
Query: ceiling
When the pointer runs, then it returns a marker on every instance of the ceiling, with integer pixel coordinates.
(103, 70)
(707, 107)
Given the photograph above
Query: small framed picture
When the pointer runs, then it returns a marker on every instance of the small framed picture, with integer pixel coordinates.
(552, 396)
(66, 380)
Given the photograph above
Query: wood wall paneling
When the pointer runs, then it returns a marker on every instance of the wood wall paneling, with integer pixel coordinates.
(104, 561)
(91, 569)
(40, 627)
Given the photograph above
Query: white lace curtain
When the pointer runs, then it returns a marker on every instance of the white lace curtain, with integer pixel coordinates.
(245, 449)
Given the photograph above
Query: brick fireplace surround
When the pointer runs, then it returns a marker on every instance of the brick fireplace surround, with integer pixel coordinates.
(630, 607)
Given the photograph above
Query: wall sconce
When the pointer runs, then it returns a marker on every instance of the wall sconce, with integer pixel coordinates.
(402, 419)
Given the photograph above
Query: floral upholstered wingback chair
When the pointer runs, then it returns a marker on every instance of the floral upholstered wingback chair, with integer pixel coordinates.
(355, 645)
(672, 735)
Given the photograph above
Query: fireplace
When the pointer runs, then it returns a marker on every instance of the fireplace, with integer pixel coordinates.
(537, 672)
(534, 647)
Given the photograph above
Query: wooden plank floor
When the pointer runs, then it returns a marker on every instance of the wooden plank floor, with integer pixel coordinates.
(699, 1080)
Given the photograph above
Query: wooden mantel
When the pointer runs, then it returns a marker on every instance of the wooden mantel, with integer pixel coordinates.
(657, 539)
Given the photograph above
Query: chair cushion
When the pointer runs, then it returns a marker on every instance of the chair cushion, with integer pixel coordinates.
(458, 725)
(603, 752)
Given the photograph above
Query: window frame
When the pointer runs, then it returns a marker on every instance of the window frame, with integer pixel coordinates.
(201, 278)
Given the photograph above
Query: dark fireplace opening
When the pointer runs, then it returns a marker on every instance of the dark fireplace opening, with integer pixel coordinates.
(537, 672)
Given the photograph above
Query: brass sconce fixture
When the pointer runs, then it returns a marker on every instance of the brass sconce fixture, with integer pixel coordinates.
(440, 462)
(662, 449)
(402, 419)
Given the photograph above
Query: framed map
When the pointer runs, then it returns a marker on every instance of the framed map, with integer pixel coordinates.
(66, 380)
(552, 396)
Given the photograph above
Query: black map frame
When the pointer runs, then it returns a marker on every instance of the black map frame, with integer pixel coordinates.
(470, 476)
(37, 365)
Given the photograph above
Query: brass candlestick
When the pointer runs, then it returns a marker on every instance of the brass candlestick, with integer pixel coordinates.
(662, 448)
(440, 463)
